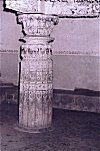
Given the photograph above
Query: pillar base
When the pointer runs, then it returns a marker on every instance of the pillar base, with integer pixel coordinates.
(32, 130)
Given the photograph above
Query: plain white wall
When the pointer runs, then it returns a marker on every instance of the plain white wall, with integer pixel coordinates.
(77, 34)
(79, 71)
(72, 72)
(71, 34)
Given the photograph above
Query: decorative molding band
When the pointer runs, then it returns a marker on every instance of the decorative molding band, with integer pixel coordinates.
(83, 53)
(8, 51)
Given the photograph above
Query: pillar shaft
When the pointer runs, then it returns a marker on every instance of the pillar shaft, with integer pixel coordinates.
(36, 76)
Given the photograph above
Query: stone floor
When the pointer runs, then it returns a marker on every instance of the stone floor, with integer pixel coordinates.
(74, 131)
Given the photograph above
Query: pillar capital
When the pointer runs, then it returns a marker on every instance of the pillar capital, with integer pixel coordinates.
(38, 24)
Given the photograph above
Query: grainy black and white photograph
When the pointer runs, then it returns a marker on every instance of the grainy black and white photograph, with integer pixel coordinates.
(49, 75)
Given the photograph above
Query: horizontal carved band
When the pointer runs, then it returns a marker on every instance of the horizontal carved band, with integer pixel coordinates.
(37, 77)
(62, 52)
(71, 52)
(34, 87)
(72, 8)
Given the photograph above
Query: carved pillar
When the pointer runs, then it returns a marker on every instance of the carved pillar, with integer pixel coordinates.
(36, 77)
(35, 105)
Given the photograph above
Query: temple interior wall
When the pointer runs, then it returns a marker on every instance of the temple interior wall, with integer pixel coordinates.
(70, 71)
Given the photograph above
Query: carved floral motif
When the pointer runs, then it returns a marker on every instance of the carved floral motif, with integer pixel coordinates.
(72, 8)
(37, 24)
(22, 5)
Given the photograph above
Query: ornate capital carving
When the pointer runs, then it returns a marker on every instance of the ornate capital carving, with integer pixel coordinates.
(37, 24)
